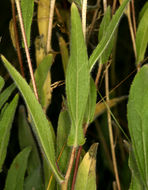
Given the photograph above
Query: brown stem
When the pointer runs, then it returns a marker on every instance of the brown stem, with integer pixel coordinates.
(26, 47)
(131, 30)
(17, 39)
(111, 131)
(93, 20)
(98, 74)
(133, 17)
(67, 176)
(114, 6)
(76, 168)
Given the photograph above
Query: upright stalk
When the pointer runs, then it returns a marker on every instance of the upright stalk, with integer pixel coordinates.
(84, 11)
(111, 132)
(67, 176)
(50, 20)
(26, 47)
(17, 39)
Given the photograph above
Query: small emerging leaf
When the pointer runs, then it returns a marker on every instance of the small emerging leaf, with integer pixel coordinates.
(77, 80)
(16, 173)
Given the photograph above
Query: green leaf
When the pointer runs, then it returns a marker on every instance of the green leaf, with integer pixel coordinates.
(86, 177)
(102, 31)
(5, 126)
(34, 180)
(26, 139)
(137, 110)
(5, 94)
(62, 134)
(141, 37)
(91, 103)
(42, 127)
(40, 78)
(2, 82)
(77, 79)
(27, 7)
(15, 177)
(64, 52)
(136, 181)
(108, 36)
(144, 8)
(134, 185)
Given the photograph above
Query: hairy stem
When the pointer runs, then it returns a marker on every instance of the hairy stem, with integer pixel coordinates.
(26, 47)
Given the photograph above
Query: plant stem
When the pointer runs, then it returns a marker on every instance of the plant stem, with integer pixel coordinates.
(84, 10)
(98, 74)
(114, 6)
(93, 20)
(131, 30)
(26, 47)
(49, 34)
(111, 132)
(76, 168)
(133, 17)
(67, 176)
(17, 39)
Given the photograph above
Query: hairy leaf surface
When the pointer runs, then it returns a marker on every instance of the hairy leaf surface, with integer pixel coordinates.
(137, 121)
(77, 79)
(41, 124)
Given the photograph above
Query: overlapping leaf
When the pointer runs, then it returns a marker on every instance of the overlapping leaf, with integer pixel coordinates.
(42, 127)
(108, 36)
(5, 126)
(77, 79)
(16, 173)
(137, 122)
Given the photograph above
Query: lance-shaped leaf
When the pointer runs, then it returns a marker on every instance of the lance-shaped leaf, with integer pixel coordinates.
(1, 83)
(102, 30)
(41, 125)
(137, 110)
(16, 173)
(77, 79)
(86, 177)
(142, 37)
(27, 14)
(5, 126)
(5, 94)
(108, 36)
